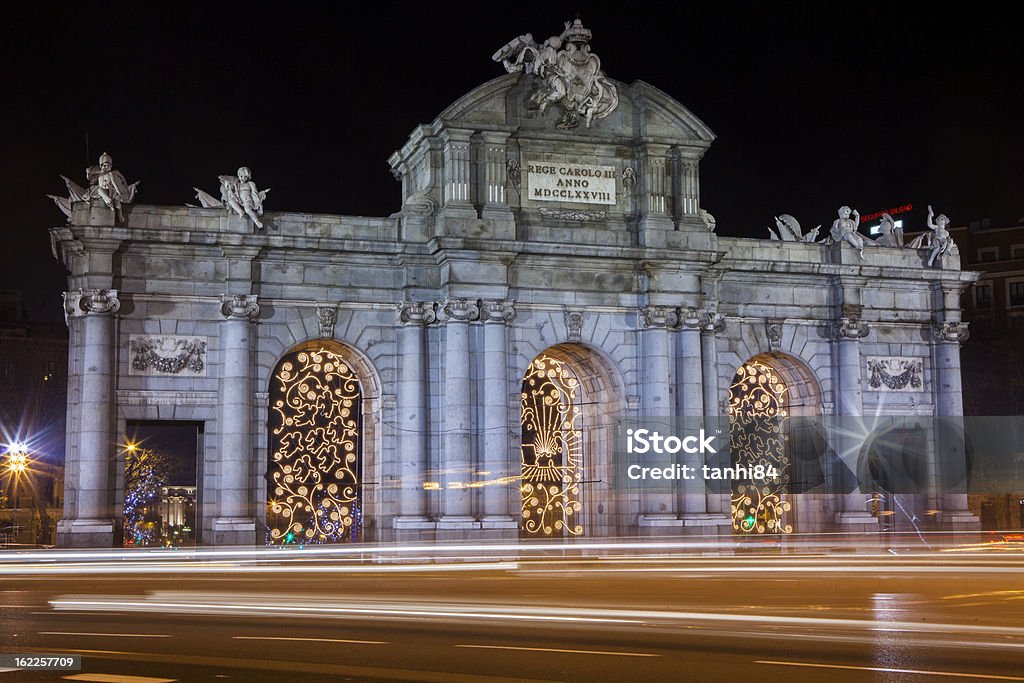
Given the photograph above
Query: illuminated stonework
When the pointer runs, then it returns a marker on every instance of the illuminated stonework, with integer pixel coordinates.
(757, 436)
(313, 493)
(552, 450)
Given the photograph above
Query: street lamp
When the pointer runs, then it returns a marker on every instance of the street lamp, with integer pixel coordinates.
(17, 458)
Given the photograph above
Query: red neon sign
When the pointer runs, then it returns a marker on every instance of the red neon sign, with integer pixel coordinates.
(892, 212)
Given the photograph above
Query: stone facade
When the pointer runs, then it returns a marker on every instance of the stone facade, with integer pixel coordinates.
(494, 259)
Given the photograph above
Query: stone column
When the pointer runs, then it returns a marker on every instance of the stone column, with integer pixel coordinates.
(712, 324)
(92, 523)
(657, 508)
(691, 405)
(456, 459)
(850, 329)
(497, 463)
(413, 437)
(235, 523)
(946, 339)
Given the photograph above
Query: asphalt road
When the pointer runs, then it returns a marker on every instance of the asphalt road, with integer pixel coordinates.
(928, 617)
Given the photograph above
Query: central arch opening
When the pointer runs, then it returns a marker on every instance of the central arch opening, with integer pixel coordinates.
(570, 402)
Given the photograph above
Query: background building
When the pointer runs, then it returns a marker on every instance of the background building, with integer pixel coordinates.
(994, 360)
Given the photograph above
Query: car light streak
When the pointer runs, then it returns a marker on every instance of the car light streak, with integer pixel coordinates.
(214, 568)
(262, 604)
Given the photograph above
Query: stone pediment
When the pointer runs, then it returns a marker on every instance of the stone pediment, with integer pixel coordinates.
(644, 111)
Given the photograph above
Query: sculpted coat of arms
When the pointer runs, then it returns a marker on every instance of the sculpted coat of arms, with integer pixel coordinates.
(569, 72)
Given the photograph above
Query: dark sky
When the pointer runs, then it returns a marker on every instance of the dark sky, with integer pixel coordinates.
(813, 106)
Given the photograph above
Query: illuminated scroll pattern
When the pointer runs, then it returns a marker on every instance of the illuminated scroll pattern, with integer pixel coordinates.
(757, 417)
(552, 450)
(313, 485)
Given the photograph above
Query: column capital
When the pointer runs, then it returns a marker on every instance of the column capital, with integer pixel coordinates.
(91, 302)
(706, 319)
(664, 317)
(417, 312)
(950, 332)
(461, 310)
(239, 306)
(851, 328)
(498, 311)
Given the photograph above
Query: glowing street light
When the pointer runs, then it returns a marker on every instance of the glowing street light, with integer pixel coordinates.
(17, 458)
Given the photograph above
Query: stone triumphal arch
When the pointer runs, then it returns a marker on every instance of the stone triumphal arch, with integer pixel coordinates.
(548, 244)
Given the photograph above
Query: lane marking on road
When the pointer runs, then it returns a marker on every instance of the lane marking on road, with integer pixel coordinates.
(553, 649)
(313, 640)
(110, 635)
(919, 672)
(117, 678)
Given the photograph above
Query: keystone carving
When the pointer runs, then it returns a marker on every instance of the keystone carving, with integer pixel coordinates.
(574, 325)
(773, 330)
(326, 318)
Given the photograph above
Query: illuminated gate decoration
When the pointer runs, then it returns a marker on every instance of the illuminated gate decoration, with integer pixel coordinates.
(313, 484)
(757, 436)
(552, 450)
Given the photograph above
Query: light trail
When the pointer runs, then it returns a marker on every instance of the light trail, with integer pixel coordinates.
(919, 672)
(268, 605)
(794, 542)
(559, 650)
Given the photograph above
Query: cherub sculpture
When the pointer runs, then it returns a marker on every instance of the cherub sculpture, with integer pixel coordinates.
(941, 241)
(844, 228)
(238, 194)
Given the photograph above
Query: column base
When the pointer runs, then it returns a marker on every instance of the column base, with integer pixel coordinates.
(498, 522)
(85, 533)
(706, 524)
(960, 520)
(659, 525)
(414, 523)
(234, 531)
(857, 522)
(457, 522)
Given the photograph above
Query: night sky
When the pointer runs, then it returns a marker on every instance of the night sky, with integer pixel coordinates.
(813, 106)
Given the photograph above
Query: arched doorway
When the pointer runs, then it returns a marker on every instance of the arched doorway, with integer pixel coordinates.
(766, 392)
(569, 402)
(315, 447)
